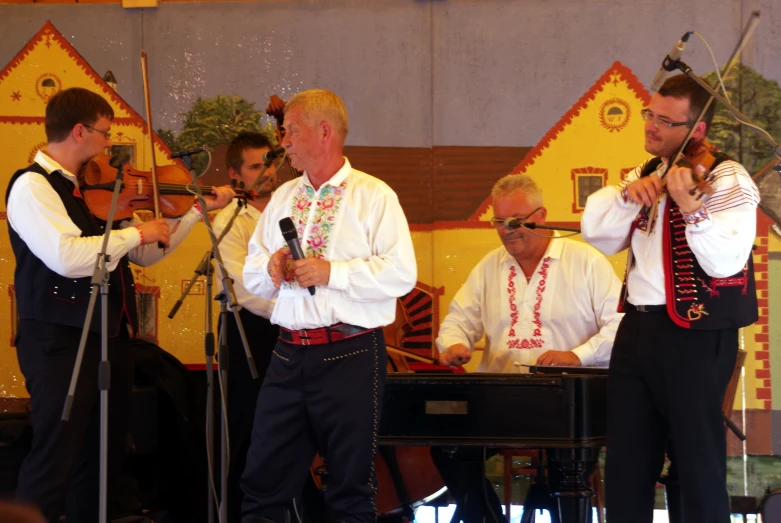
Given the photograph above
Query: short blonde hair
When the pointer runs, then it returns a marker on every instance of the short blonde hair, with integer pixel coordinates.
(319, 104)
(518, 182)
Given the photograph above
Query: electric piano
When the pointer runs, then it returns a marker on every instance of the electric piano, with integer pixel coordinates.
(563, 413)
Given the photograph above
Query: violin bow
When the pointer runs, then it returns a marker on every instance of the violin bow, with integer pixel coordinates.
(744, 37)
(148, 107)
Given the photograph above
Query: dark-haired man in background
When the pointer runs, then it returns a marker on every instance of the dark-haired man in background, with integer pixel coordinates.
(689, 288)
(245, 161)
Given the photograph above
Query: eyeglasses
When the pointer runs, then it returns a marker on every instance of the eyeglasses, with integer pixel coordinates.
(511, 223)
(658, 121)
(104, 133)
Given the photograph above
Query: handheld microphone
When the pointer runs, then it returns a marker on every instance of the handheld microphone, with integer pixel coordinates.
(119, 159)
(291, 237)
(272, 154)
(187, 153)
(669, 63)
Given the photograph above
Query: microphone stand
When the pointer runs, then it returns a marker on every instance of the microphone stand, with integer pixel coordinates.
(99, 283)
(683, 67)
(227, 299)
(532, 225)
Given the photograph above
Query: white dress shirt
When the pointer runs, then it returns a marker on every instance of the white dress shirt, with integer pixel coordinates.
(569, 304)
(233, 249)
(37, 214)
(356, 223)
(721, 243)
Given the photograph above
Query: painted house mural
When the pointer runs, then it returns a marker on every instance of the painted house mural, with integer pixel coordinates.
(444, 190)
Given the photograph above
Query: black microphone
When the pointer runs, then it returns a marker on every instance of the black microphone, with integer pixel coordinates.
(291, 237)
(119, 159)
(669, 63)
(272, 154)
(512, 224)
(187, 153)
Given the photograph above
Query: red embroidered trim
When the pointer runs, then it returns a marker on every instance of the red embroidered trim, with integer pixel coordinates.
(140, 233)
(527, 343)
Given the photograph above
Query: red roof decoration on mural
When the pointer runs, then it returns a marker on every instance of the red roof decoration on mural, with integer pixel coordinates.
(49, 34)
(616, 71)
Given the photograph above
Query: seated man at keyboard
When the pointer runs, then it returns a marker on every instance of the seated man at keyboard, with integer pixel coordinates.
(539, 299)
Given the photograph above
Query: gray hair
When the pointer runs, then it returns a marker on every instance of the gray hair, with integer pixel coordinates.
(319, 104)
(518, 182)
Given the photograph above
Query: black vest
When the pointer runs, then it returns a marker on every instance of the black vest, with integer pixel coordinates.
(694, 299)
(44, 295)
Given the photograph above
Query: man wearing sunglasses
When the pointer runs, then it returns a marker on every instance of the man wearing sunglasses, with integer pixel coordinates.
(689, 288)
(538, 299)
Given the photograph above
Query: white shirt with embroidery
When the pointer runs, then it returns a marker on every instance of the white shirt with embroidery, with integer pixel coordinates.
(233, 249)
(569, 304)
(721, 243)
(37, 214)
(355, 222)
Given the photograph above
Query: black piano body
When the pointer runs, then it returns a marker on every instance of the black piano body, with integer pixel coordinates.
(563, 413)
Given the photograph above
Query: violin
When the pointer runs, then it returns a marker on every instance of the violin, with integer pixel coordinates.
(699, 156)
(137, 193)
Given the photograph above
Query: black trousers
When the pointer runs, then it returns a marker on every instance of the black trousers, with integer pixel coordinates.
(61, 472)
(667, 381)
(243, 393)
(463, 472)
(320, 398)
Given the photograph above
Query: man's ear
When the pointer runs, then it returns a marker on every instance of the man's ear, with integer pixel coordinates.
(325, 130)
(233, 174)
(700, 131)
(543, 212)
(77, 133)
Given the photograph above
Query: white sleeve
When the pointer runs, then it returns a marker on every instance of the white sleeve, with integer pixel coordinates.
(37, 214)
(464, 321)
(392, 271)
(607, 218)
(604, 288)
(722, 242)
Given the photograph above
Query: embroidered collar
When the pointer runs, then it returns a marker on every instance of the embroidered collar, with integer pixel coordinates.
(335, 180)
(554, 250)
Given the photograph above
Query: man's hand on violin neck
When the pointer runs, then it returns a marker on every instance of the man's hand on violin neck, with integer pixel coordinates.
(680, 184)
(219, 198)
(646, 190)
(155, 231)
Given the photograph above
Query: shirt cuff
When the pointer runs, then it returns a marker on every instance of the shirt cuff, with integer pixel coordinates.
(623, 201)
(699, 220)
(586, 355)
(193, 216)
(338, 279)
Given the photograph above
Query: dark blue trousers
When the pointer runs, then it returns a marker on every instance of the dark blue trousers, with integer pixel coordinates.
(61, 472)
(666, 381)
(318, 398)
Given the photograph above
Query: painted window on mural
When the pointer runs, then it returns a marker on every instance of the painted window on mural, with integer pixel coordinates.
(586, 181)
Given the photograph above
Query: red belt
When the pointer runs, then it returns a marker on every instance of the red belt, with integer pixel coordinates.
(338, 332)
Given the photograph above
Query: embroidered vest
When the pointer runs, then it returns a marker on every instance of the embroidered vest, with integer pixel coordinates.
(696, 300)
(43, 295)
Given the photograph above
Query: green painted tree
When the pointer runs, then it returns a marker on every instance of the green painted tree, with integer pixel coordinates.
(760, 100)
(213, 121)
